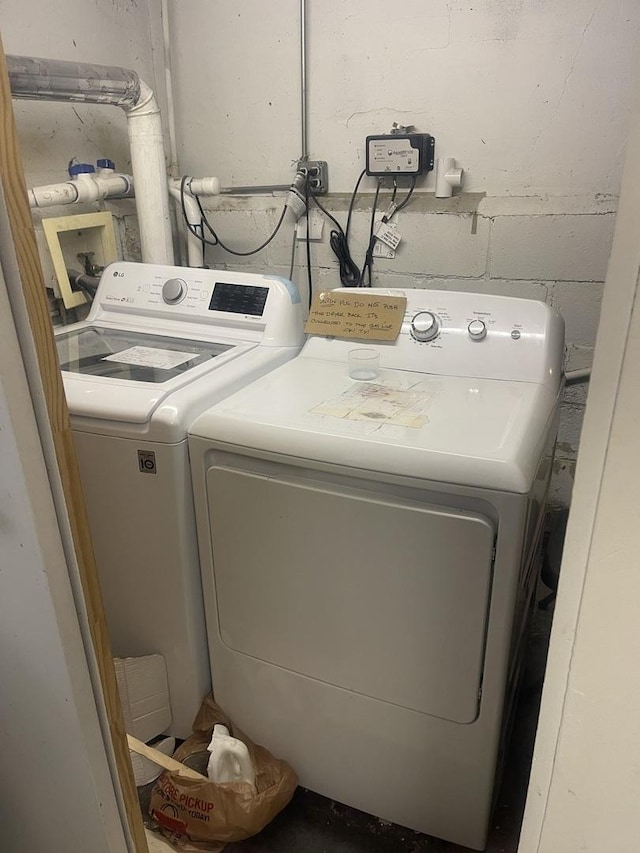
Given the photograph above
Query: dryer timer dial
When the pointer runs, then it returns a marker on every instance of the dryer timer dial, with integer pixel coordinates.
(425, 326)
(174, 290)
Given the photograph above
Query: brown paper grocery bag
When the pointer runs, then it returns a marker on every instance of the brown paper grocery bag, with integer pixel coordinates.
(199, 815)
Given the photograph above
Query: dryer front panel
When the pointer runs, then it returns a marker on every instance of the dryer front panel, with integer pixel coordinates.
(367, 591)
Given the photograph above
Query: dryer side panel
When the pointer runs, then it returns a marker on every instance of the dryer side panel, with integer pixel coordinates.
(369, 592)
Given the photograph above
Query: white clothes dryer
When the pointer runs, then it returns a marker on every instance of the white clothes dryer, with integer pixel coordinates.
(368, 552)
(159, 346)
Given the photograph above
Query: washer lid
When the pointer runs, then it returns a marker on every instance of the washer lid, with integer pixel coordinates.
(476, 432)
(124, 374)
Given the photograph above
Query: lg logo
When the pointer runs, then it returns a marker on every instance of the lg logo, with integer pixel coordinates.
(118, 274)
(147, 462)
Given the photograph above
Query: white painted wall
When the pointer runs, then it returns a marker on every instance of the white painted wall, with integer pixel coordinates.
(585, 785)
(56, 791)
(531, 96)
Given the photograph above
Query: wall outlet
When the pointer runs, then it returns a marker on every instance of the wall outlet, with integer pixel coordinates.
(316, 225)
(318, 172)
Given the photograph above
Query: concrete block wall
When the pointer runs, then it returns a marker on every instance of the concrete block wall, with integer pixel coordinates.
(520, 248)
(513, 89)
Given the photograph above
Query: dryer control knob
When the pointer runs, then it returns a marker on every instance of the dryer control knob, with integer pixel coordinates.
(477, 330)
(174, 290)
(425, 326)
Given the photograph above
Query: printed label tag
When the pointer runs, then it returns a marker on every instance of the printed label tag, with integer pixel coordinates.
(388, 234)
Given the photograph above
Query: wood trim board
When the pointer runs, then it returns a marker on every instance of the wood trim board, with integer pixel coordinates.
(30, 271)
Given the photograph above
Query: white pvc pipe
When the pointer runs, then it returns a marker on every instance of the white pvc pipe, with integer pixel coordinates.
(199, 186)
(52, 194)
(195, 250)
(150, 173)
(57, 80)
(447, 177)
(85, 188)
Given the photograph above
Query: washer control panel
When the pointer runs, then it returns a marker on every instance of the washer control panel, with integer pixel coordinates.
(172, 296)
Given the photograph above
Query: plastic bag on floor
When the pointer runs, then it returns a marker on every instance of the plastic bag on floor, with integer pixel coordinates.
(199, 815)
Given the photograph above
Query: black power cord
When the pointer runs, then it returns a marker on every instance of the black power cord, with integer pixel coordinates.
(405, 201)
(198, 230)
(308, 208)
(350, 275)
(368, 258)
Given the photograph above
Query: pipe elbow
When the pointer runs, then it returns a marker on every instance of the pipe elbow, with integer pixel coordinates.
(146, 104)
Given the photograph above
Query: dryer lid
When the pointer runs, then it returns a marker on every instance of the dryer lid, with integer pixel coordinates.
(475, 432)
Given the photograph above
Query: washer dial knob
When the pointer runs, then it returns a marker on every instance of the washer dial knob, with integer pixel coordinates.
(425, 326)
(477, 330)
(174, 290)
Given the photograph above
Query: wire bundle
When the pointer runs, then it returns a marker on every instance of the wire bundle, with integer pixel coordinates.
(199, 232)
(350, 273)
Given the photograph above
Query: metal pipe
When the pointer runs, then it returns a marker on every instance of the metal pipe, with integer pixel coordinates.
(304, 154)
(58, 80)
(171, 115)
(265, 188)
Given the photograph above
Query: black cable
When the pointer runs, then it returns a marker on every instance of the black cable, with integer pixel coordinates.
(349, 272)
(407, 198)
(352, 202)
(308, 206)
(198, 230)
(350, 275)
(326, 212)
(368, 258)
(193, 229)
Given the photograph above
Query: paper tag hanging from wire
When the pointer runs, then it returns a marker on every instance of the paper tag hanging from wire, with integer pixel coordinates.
(381, 250)
(387, 232)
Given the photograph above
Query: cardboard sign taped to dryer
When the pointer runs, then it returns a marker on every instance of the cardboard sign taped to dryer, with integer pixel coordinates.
(361, 315)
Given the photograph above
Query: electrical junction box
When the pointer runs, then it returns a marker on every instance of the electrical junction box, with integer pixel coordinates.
(399, 154)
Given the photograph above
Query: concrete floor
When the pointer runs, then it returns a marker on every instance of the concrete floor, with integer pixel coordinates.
(313, 824)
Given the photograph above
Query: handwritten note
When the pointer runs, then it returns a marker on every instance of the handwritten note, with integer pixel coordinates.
(362, 315)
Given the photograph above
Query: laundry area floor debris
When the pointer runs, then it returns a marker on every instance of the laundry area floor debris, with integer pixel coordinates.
(314, 824)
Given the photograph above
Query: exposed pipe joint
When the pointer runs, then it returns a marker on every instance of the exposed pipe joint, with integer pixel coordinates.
(57, 80)
(447, 177)
(84, 188)
(146, 141)
(193, 186)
